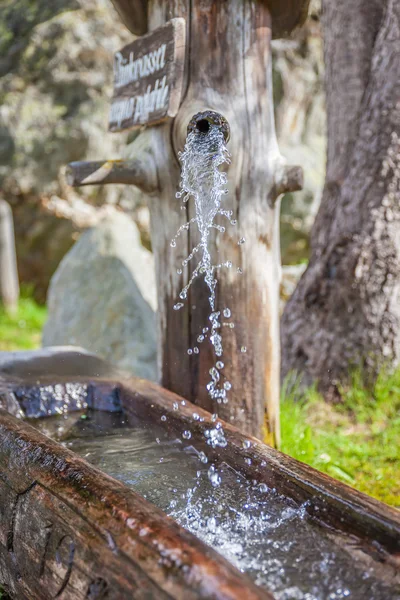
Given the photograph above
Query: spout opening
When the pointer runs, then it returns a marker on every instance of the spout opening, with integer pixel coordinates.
(203, 126)
(202, 122)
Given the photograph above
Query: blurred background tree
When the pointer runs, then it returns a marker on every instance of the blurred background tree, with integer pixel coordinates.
(345, 312)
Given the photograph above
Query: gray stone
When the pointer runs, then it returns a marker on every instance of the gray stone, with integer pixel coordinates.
(102, 297)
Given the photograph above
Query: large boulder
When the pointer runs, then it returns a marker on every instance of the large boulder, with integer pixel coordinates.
(103, 297)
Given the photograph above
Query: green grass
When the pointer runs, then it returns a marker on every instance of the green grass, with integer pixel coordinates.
(356, 442)
(23, 330)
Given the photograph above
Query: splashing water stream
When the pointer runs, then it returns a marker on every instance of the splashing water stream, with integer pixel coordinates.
(203, 154)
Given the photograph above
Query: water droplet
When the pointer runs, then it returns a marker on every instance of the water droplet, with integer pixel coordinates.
(196, 350)
(163, 418)
(220, 364)
(247, 461)
(196, 416)
(241, 241)
(243, 349)
(173, 244)
(203, 458)
(183, 295)
(211, 524)
(190, 351)
(227, 385)
(246, 444)
(214, 417)
(227, 313)
(234, 222)
(186, 435)
(200, 339)
(232, 325)
(205, 329)
(178, 306)
(239, 270)
(175, 406)
(228, 264)
(157, 440)
(214, 477)
(183, 403)
(263, 488)
(179, 271)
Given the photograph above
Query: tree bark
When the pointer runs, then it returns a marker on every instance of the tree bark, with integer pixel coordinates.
(228, 70)
(9, 285)
(345, 312)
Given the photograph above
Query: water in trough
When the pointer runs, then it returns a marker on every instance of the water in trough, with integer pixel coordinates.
(262, 533)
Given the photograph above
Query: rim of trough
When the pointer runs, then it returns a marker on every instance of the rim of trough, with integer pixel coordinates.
(286, 15)
(334, 504)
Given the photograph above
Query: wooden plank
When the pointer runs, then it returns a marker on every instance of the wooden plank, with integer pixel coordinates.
(148, 75)
(68, 530)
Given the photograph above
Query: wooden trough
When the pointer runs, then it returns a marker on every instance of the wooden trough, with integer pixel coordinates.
(68, 530)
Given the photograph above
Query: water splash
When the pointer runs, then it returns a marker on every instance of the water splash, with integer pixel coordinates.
(202, 180)
(203, 155)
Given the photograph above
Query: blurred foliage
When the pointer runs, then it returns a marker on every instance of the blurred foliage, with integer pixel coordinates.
(22, 330)
(17, 20)
(356, 441)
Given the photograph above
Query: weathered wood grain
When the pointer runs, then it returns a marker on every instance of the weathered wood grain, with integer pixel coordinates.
(148, 76)
(133, 14)
(228, 70)
(68, 530)
(286, 15)
(109, 171)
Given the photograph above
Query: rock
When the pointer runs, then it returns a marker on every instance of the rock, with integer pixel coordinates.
(103, 297)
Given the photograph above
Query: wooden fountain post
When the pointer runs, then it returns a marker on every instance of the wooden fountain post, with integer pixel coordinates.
(227, 70)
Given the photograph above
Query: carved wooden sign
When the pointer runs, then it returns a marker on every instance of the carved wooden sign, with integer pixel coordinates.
(148, 76)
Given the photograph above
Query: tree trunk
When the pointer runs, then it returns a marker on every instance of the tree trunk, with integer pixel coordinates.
(345, 311)
(9, 285)
(228, 70)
